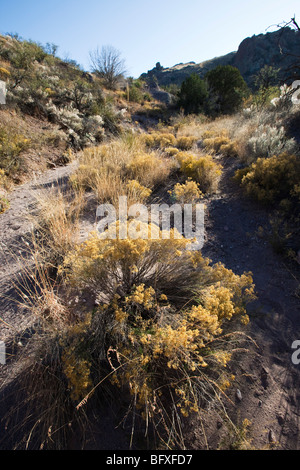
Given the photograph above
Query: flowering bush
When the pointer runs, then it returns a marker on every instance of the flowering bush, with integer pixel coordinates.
(220, 143)
(12, 145)
(164, 312)
(201, 169)
(188, 192)
(148, 168)
(159, 140)
(273, 179)
(185, 142)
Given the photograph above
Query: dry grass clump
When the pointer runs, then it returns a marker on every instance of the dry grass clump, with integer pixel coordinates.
(107, 169)
(159, 140)
(185, 142)
(219, 143)
(12, 144)
(56, 225)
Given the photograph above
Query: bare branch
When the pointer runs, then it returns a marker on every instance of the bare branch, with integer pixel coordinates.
(108, 64)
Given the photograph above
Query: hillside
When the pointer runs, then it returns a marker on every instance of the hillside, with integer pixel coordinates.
(276, 49)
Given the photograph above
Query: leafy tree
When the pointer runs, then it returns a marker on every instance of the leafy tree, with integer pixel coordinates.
(227, 88)
(193, 94)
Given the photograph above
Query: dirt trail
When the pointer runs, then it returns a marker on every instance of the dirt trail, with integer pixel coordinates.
(266, 377)
(14, 226)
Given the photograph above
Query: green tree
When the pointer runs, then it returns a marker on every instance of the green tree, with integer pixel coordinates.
(227, 88)
(193, 94)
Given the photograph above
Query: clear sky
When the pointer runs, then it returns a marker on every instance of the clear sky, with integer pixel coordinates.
(165, 31)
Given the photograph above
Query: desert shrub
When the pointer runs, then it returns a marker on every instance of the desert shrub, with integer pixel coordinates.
(148, 168)
(201, 169)
(4, 182)
(140, 260)
(4, 204)
(158, 347)
(273, 179)
(136, 192)
(135, 94)
(159, 332)
(4, 73)
(188, 192)
(269, 140)
(159, 140)
(171, 151)
(185, 142)
(219, 142)
(12, 145)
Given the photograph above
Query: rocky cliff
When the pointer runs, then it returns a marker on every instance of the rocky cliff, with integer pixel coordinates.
(280, 49)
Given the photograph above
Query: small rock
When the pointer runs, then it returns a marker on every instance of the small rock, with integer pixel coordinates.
(219, 424)
(260, 403)
(238, 394)
(272, 437)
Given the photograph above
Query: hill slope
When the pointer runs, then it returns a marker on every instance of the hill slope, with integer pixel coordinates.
(277, 49)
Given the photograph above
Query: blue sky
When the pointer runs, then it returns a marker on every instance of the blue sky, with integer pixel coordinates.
(165, 31)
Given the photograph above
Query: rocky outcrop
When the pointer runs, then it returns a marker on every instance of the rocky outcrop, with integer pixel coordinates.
(278, 49)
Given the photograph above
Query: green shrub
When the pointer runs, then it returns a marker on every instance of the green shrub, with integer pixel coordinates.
(193, 94)
(228, 87)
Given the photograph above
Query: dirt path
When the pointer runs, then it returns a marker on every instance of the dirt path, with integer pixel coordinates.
(14, 226)
(266, 377)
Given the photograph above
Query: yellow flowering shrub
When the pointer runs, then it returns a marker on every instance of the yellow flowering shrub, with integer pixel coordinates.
(121, 263)
(188, 192)
(170, 350)
(201, 169)
(148, 169)
(219, 143)
(273, 179)
(159, 140)
(160, 322)
(171, 151)
(4, 73)
(11, 146)
(137, 192)
(185, 142)
(75, 363)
